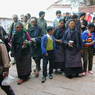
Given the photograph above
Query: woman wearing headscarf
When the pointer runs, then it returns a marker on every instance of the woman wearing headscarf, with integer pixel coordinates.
(73, 44)
(22, 53)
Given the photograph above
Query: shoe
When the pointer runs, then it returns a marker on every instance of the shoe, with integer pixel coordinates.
(84, 73)
(36, 74)
(69, 76)
(76, 75)
(90, 72)
(50, 76)
(34, 70)
(20, 81)
(60, 72)
(43, 79)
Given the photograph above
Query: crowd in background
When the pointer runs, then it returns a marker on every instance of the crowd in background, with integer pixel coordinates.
(67, 46)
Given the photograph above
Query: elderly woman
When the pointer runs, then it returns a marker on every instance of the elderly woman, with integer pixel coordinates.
(59, 52)
(36, 34)
(73, 44)
(21, 51)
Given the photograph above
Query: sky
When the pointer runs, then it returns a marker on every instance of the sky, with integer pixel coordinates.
(10, 7)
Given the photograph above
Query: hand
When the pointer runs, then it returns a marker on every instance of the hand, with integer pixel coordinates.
(5, 74)
(81, 51)
(24, 45)
(70, 44)
(33, 39)
(93, 42)
(46, 54)
(82, 26)
(59, 41)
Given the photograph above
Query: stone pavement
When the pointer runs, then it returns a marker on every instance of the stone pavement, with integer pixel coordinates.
(60, 85)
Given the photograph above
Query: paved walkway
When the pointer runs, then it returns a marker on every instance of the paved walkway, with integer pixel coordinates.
(60, 85)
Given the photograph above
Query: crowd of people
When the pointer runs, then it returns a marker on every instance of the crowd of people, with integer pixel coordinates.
(67, 46)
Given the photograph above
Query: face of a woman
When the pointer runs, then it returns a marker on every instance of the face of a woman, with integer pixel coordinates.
(19, 28)
(72, 24)
(33, 22)
(61, 24)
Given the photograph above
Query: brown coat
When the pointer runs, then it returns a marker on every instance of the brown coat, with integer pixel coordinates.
(4, 58)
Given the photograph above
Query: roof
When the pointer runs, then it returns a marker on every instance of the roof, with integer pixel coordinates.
(5, 18)
(60, 3)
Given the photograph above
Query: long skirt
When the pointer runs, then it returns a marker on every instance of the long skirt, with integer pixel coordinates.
(73, 64)
(73, 71)
(23, 64)
(59, 58)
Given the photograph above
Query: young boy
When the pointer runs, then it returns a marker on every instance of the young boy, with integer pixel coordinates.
(88, 38)
(47, 46)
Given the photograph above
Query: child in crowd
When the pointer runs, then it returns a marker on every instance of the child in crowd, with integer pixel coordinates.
(47, 46)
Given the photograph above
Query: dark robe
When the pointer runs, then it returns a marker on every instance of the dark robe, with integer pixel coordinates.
(59, 51)
(21, 55)
(73, 64)
(36, 32)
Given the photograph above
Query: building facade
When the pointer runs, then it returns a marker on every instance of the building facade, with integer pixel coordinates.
(88, 7)
(5, 22)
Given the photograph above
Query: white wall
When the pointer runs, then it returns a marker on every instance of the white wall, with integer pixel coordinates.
(5, 23)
